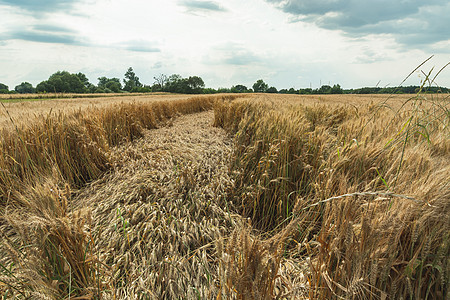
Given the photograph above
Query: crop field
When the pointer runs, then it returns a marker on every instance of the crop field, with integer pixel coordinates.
(20, 106)
(27, 107)
(230, 196)
(66, 95)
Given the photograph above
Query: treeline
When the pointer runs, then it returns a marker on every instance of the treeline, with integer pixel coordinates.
(65, 82)
(261, 87)
(412, 89)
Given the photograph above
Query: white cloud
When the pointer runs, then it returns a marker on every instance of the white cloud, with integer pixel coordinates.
(201, 5)
(410, 22)
(230, 44)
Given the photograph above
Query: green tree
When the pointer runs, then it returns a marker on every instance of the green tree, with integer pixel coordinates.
(160, 82)
(260, 86)
(4, 89)
(174, 84)
(156, 87)
(114, 85)
(102, 81)
(62, 82)
(239, 89)
(84, 80)
(177, 84)
(307, 91)
(324, 89)
(44, 87)
(145, 89)
(195, 85)
(209, 91)
(109, 84)
(336, 89)
(223, 90)
(272, 90)
(24, 88)
(131, 81)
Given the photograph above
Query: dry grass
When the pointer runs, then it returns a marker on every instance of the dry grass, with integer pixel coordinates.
(288, 197)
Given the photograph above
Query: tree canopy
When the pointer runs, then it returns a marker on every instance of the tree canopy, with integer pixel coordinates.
(131, 81)
(239, 88)
(160, 82)
(108, 85)
(260, 86)
(195, 85)
(24, 88)
(272, 90)
(177, 84)
(4, 89)
(63, 82)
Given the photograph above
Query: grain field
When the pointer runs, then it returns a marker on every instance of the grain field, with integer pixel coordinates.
(253, 196)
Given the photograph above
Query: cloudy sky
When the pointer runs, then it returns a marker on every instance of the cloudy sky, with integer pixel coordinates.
(296, 43)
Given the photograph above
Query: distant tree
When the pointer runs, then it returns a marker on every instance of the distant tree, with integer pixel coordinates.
(306, 91)
(195, 85)
(290, 91)
(160, 82)
(4, 89)
(24, 88)
(62, 82)
(177, 84)
(102, 81)
(144, 89)
(272, 90)
(112, 84)
(336, 89)
(224, 90)
(368, 90)
(131, 81)
(174, 84)
(209, 91)
(324, 89)
(239, 89)
(44, 87)
(260, 86)
(156, 87)
(84, 80)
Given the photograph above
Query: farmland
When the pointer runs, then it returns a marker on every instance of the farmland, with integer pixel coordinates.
(28, 106)
(251, 196)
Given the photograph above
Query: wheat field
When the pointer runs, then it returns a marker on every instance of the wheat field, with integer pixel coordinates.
(253, 196)
(25, 109)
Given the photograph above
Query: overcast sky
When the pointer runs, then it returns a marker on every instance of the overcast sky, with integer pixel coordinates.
(297, 43)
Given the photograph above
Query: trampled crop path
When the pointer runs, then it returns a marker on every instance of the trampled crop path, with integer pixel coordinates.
(157, 214)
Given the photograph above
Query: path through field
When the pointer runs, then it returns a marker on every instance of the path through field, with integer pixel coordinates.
(157, 215)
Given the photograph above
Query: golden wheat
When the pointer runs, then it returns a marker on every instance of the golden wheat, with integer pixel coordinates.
(349, 156)
(294, 197)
